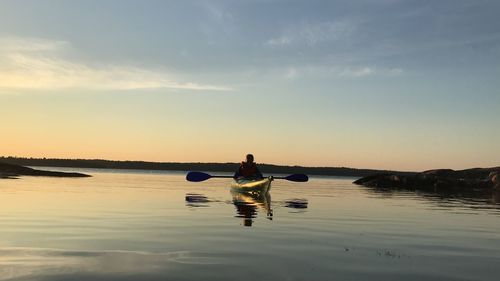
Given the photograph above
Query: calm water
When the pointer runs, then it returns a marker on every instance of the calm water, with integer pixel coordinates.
(122, 225)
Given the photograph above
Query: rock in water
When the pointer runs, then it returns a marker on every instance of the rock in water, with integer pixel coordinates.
(436, 180)
(494, 177)
(15, 170)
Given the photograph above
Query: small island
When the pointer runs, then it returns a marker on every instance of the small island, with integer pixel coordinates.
(11, 171)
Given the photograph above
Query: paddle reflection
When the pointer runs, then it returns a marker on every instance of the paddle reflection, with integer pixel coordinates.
(247, 206)
(196, 200)
(296, 203)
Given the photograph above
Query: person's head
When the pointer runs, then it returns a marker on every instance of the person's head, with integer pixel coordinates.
(249, 158)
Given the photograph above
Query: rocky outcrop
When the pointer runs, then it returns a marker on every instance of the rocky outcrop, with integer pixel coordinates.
(436, 180)
(494, 177)
(9, 171)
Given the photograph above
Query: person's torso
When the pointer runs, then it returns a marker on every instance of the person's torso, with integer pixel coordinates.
(247, 170)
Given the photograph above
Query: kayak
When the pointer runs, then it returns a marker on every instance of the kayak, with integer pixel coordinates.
(252, 185)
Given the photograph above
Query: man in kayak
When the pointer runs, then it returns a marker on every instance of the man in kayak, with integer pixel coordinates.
(248, 169)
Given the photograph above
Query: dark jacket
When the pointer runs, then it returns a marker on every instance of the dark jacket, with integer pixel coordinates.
(248, 171)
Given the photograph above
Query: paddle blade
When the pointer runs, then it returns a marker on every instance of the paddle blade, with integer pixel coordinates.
(297, 178)
(197, 176)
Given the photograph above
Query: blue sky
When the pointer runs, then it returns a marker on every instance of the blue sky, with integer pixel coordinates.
(382, 84)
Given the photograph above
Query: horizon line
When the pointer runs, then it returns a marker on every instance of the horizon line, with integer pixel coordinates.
(177, 162)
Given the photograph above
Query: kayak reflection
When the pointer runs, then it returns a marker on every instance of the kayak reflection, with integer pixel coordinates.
(247, 205)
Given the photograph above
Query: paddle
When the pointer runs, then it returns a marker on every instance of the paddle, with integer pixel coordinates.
(200, 176)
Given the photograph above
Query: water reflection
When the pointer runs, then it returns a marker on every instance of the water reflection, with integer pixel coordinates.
(196, 200)
(469, 199)
(47, 264)
(296, 203)
(67, 230)
(495, 197)
(247, 206)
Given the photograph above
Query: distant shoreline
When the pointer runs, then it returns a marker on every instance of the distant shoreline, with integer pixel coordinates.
(175, 166)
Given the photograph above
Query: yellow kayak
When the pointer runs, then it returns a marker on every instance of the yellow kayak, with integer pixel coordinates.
(252, 185)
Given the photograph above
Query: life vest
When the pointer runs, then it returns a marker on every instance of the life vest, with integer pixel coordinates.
(248, 170)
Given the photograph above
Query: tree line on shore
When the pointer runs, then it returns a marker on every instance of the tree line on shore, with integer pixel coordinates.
(176, 166)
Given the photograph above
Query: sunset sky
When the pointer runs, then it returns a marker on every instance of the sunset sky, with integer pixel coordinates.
(393, 84)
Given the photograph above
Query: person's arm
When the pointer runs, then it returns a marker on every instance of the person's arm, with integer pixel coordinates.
(258, 173)
(237, 173)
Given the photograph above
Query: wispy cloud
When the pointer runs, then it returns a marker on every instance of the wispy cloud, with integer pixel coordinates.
(339, 72)
(38, 64)
(279, 41)
(217, 12)
(291, 73)
(357, 72)
(311, 34)
(16, 44)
